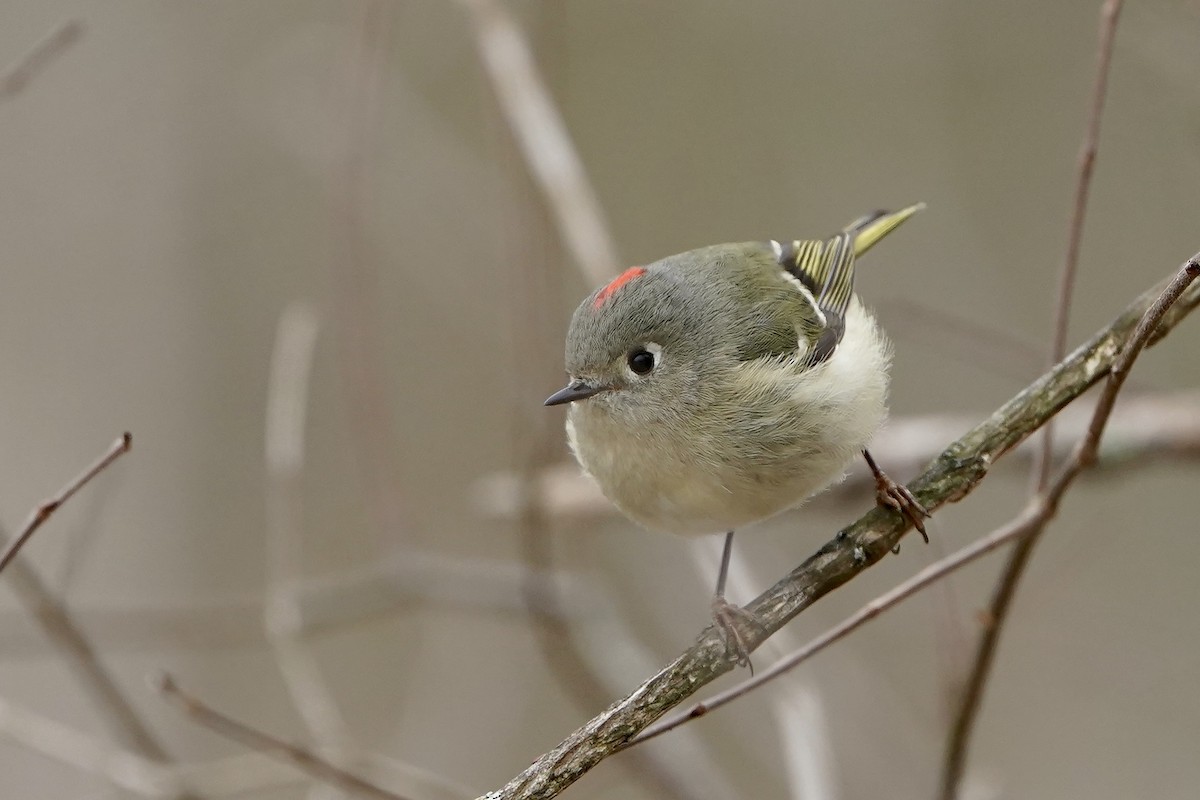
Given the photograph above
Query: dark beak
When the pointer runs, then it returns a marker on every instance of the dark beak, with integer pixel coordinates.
(575, 390)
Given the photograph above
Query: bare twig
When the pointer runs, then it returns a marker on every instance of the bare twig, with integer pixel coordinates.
(952, 476)
(17, 76)
(1086, 164)
(1035, 517)
(79, 654)
(46, 509)
(303, 760)
(955, 757)
(543, 138)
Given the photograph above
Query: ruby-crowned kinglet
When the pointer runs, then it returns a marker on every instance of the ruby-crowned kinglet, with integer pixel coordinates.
(723, 385)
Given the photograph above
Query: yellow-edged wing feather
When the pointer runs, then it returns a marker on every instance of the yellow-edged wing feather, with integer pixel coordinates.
(827, 266)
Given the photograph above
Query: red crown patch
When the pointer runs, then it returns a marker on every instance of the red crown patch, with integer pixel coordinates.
(616, 283)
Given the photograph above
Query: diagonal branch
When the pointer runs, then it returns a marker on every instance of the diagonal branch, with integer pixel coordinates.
(298, 757)
(1029, 523)
(953, 475)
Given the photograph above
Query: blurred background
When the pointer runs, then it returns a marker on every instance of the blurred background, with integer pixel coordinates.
(295, 248)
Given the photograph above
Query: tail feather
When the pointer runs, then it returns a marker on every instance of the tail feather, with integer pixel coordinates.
(827, 266)
(871, 228)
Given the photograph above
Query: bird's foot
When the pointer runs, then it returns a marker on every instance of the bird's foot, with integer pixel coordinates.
(897, 497)
(732, 623)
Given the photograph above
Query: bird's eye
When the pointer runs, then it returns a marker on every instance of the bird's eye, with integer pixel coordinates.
(641, 361)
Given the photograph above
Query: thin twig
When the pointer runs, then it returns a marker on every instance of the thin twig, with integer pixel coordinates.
(51, 46)
(303, 760)
(959, 740)
(60, 628)
(1086, 164)
(543, 138)
(952, 476)
(47, 509)
(1033, 519)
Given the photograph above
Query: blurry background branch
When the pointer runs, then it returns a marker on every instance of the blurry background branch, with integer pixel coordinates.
(1145, 429)
(79, 655)
(287, 405)
(542, 136)
(17, 76)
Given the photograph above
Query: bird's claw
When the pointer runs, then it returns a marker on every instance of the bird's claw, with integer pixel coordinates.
(897, 497)
(731, 622)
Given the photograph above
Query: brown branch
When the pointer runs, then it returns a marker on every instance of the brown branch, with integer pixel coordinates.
(952, 476)
(16, 77)
(47, 509)
(955, 757)
(304, 760)
(1085, 166)
(1031, 521)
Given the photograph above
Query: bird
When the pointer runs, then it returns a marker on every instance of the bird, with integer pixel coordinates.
(718, 387)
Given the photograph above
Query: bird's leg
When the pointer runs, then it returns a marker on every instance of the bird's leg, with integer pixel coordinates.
(731, 620)
(897, 497)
